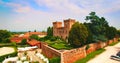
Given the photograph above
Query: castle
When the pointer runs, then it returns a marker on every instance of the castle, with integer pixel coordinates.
(60, 31)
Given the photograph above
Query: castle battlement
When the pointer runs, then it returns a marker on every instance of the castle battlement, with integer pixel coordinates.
(60, 31)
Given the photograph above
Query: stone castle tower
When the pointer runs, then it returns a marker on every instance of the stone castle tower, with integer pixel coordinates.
(60, 31)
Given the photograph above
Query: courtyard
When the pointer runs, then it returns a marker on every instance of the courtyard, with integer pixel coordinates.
(32, 55)
(6, 50)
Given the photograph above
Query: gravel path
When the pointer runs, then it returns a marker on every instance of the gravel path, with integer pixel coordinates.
(105, 56)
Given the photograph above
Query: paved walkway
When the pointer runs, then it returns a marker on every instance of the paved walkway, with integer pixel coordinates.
(105, 56)
(32, 55)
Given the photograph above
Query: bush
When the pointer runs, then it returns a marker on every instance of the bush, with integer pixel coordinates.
(53, 38)
(23, 42)
(87, 47)
(7, 40)
(34, 37)
(14, 44)
(55, 60)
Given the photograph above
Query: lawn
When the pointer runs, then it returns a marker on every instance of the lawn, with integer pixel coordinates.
(90, 56)
(59, 44)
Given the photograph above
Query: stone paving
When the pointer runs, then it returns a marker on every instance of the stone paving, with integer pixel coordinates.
(32, 55)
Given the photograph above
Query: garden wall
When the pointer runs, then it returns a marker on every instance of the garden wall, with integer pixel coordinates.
(70, 56)
(48, 51)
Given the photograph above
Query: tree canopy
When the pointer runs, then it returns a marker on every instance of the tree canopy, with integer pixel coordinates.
(50, 31)
(23, 42)
(97, 26)
(34, 37)
(4, 35)
(78, 34)
(118, 32)
(111, 32)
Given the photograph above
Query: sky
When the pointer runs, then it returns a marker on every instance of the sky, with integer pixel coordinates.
(30, 15)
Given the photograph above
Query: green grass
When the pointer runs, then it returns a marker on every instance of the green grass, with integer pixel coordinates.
(5, 44)
(114, 43)
(90, 56)
(58, 44)
(54, 60)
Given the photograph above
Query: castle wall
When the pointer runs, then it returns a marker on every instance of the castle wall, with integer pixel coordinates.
(60, 31)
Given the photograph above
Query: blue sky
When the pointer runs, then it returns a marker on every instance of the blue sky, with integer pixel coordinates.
(25, 15)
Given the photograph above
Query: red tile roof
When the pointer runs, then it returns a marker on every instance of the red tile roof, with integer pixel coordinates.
(33, 42)
(16, 39)
(36, 33)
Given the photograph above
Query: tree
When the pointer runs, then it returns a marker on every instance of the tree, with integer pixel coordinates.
(34, 30)
(50, 31)
(23, 42)
(4, 35)
(90, 35)
(43, 31)
(97, 26)
(118, 32)
(78, 35)
(111, 32)
(34, 37)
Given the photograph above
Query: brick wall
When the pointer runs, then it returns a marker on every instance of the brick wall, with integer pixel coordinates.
(91, 48)
(115, 40)
(72, 55)
(48, 51)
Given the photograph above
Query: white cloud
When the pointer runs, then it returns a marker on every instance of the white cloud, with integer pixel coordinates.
(22, 9)
(31, 18)
(61, 6)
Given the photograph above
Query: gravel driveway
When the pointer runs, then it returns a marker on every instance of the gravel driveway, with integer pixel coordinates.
(105, 56)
